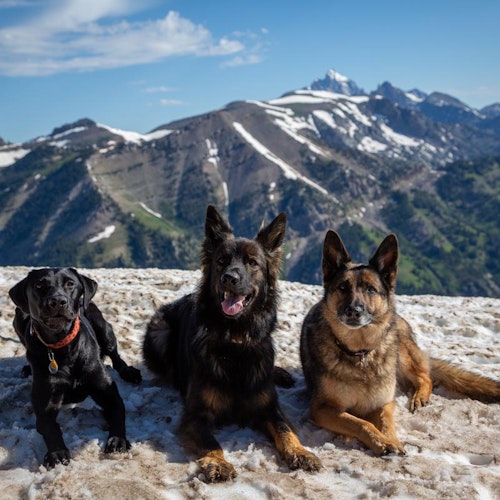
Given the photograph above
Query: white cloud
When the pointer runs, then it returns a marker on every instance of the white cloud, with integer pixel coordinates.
(171, 102)
(243, 60)
(84, 35)
(154, 90)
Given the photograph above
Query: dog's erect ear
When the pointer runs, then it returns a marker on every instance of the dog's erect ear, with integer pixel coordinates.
(385, 260)
(216, 228)
(271, 237)
(18, 295)
(335, 255)
(89, 287)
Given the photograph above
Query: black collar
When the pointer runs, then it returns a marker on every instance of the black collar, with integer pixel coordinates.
(359, 354)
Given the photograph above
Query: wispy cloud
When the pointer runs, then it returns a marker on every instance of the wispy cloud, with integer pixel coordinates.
(243, 60)
(171, 102)
(85, 35)
(155, 90)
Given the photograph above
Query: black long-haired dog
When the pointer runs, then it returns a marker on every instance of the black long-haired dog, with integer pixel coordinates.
(215, 346)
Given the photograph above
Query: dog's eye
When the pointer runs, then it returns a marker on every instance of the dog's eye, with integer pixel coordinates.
(342, 286)
(39, 285)
(253, 262)
(69, 284)
(221, 261)
(370, 290)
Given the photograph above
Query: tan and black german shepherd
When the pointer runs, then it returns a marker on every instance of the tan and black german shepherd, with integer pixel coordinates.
(355, 348)
(215, 346)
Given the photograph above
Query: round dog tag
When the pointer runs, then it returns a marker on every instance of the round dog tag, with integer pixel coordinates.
(53, 367)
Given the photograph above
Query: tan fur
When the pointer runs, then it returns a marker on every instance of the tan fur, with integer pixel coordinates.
(355, 348)
(288, 445)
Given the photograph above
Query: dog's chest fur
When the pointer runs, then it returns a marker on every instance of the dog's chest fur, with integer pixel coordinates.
(358, 384)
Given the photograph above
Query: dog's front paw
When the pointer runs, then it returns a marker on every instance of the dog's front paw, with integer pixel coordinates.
(116, 444)
(419, 399)
(303, 459)
(131, 375)
(216, 469)
(389, 447)
(52, 458)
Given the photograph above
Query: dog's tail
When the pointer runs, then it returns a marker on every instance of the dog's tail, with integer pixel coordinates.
(458, 380)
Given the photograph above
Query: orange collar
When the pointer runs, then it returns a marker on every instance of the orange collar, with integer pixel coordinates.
(65, 341)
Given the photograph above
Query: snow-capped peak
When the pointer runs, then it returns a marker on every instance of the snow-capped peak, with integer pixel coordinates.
(338, 83)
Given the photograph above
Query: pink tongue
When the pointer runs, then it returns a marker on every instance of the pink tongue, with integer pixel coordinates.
(233, 305)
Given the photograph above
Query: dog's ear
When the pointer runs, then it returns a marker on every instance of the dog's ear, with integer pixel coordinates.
(271, 237)
(335, 255)
(216, 228)
(89, 287)
(385, 260)
(18, 295)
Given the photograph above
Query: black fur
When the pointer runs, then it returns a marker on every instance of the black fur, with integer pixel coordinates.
(215, 345)
(49, 301)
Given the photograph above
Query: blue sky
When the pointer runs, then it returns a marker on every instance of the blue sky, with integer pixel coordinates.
(136, 65)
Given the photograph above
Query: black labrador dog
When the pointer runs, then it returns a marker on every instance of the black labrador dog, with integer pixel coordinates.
(66, 338)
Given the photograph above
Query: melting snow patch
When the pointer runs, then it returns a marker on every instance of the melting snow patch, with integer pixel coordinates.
(370, 145)
(103, 234)
(69, 132)
(8, 158)
(288, 171)
(393, 136)
(135, 137)
(149, 211)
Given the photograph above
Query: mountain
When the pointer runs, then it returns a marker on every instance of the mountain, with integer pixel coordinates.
(335, 82)
(424, 166)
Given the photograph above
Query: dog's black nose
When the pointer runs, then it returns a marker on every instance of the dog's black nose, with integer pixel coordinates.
(59, 302)
(230, 277)
(354, 311)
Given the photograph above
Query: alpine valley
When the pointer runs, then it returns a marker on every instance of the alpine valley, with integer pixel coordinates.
(332, 156)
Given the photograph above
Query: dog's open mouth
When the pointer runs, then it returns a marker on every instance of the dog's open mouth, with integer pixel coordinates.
(232, 304)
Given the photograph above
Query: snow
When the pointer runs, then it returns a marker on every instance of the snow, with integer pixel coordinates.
(400, 139)
(413, 97)
(214, 159)
(371, 145)
(74, 130)
(135, 137)
(291, 127)
(452, 445)
(288, 170)
(213, 153)
(10, 154)
(108, 231)
(149, 210)
(335, 75)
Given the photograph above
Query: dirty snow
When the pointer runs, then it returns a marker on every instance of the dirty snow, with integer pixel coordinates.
(453, 445)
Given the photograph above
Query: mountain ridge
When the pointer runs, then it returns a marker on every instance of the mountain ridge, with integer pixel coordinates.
(329, 160)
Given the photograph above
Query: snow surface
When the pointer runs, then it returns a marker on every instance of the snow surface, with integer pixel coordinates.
(453, 445)
(106, 233)
(10, 154)
(150, 210)
(136, 137)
